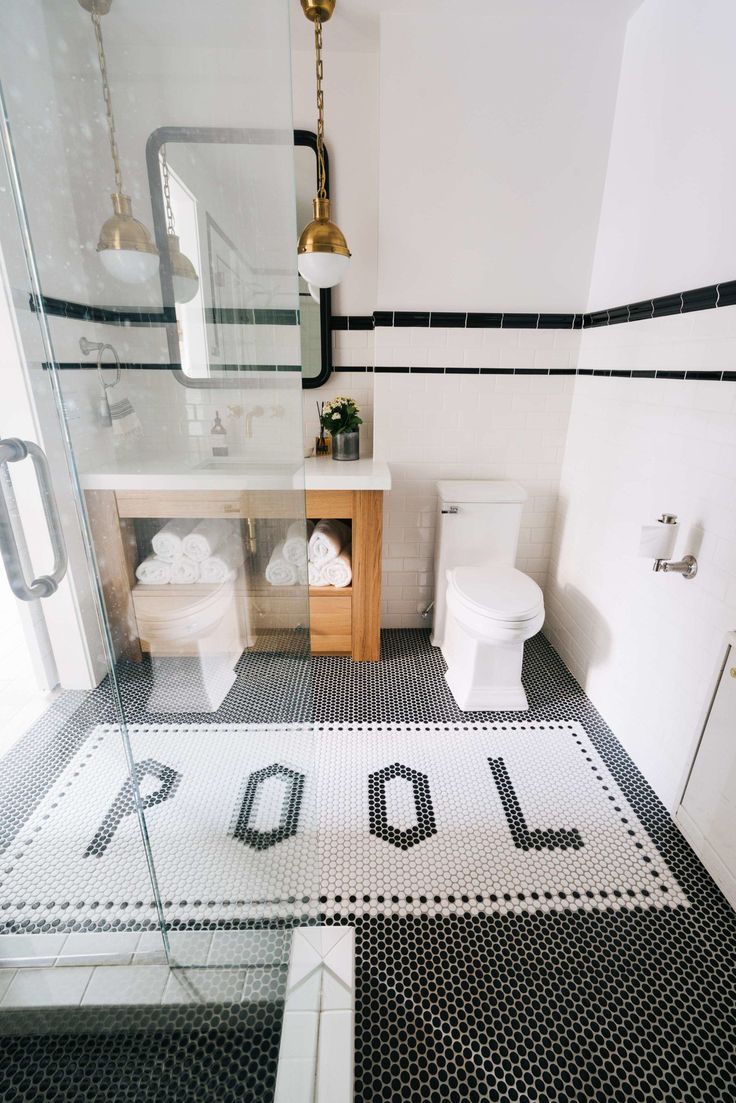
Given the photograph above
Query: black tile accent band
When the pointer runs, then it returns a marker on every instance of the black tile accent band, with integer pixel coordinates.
(70, 365)
(61, 308)
(607, 373)
(699, 298)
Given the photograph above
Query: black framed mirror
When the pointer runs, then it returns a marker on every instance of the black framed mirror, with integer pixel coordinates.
(242, 288)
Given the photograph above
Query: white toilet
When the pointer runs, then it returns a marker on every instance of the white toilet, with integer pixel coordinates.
(484, 608)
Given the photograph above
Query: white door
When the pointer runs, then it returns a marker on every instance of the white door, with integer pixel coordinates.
(707, 814)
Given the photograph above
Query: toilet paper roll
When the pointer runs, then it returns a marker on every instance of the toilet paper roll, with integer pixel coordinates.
(658, 541)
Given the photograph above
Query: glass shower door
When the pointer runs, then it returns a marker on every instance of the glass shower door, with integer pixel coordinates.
(176, 400)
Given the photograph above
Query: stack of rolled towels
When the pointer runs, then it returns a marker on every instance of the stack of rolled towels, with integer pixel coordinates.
(315, 554)
(185, 552)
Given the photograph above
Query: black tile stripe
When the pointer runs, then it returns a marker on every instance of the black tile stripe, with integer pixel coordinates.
(634, 373)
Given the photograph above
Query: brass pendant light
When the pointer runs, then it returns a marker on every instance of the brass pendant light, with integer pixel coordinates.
(183, 273)
(125, 246)
(323, 251)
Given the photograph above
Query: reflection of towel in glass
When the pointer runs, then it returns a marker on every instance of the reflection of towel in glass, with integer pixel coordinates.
(184, 571)
(153, 571)
(223, 565)
(167, 543)
(339, 572)
(278, 571)
(327, 541)
(205, 538)
(295, 544)
(122, 415)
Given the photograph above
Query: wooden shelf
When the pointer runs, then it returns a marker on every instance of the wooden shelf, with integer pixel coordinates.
(344, 620)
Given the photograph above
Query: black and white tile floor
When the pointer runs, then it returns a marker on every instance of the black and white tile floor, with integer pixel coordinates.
(530, 925)
(607, 1003)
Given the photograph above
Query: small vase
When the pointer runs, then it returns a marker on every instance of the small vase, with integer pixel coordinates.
(346, 446)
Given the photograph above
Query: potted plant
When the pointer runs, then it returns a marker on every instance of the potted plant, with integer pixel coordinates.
(341, 419)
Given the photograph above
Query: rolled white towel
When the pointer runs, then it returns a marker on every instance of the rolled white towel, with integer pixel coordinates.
(296, 541)
(278, 571)
(327, 541)
(302, 574)
(167, 543)
(205, 538)
(223, 565)
(315, 575)
(184, 571)
(153, 571)
(339, 572)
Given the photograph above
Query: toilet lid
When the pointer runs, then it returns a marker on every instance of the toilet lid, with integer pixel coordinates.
(498, 591)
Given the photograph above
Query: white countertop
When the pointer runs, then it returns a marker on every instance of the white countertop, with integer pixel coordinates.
(321, 473)
(324, 473)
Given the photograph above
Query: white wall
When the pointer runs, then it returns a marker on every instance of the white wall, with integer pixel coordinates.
(644, 645)
(668, 220)
(351, 136)
(494, 130)
(431, 427)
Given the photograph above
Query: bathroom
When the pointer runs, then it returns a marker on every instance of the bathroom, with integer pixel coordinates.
(393, 762)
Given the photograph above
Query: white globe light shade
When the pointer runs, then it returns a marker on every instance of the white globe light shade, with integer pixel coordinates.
(323, 269)
(185, 288)
(314, 292)
(129, 265)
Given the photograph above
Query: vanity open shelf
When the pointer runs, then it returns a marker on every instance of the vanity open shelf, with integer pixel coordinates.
(343, 621)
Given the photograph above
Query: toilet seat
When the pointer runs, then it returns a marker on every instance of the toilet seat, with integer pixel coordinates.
(497, 593)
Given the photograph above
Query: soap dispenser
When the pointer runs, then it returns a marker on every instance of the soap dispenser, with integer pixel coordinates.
(218, 433)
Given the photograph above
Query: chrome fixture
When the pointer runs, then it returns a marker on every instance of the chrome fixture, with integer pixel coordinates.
(125, 246)
(426, 610)
(13, 450)
(104, 415)
(687, 566)
(323, 251)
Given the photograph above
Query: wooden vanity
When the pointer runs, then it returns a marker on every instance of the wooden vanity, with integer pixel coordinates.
(342, 621)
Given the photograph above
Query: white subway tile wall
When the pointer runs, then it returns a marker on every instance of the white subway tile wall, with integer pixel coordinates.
(349, 349)
(644, 646)
(430, 427)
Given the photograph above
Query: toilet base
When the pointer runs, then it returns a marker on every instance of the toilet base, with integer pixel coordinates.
(469, 698)
(484, 675)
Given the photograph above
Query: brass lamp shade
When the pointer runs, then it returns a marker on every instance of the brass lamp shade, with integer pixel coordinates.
(321, 235)
(183, 273)
(123, 232)
(180, 262)
(317, 9)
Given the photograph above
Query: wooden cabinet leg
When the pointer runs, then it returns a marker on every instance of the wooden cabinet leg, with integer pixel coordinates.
(367, 547)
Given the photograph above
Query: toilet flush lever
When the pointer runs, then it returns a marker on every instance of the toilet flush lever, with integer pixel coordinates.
(451, 509)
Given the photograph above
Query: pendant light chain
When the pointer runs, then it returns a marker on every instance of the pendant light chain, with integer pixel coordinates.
(108, 102)
(167, 193)
(321, 192)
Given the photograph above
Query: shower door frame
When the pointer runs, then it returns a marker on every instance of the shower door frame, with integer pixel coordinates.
(85, 529)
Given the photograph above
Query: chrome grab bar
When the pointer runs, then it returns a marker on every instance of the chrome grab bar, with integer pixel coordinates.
(12, 450)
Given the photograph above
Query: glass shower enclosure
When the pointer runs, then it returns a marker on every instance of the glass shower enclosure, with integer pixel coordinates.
(153, 499)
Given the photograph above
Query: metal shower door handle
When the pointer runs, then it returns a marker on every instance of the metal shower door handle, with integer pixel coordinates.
(12, 450)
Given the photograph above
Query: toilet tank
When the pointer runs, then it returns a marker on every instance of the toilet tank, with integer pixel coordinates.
(477, 520)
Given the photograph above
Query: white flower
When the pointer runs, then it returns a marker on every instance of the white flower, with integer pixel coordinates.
(335, 417)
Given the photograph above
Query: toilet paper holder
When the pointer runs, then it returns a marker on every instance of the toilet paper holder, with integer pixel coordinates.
(658, 541)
